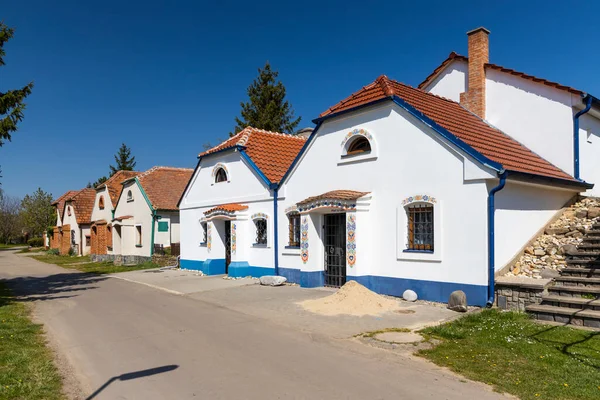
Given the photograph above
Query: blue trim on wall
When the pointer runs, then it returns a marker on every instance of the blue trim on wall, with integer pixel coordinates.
(208, 267)
(312, 278)
(301, 153)
(426, 290)
(255, 168)
(241, 269)
(291, 274)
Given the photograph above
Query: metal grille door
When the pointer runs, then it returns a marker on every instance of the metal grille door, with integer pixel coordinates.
(335, 249)
(227, 245)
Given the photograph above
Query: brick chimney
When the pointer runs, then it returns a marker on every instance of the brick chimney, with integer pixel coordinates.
(479, 55)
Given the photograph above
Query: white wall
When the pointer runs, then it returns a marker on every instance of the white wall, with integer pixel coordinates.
(411, 160)
(521, 211)
(142, 215)
(451, 82)
(106, 213)
(589, 151)
(79, 230)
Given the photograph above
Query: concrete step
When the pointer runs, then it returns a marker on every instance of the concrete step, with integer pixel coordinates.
(578, 281)
(575, 291)
(565, 315)
(591, 238)
(585, 263)
(585, 272)
(585, 253)
(585, 246)
(571, 302)
(592, 232)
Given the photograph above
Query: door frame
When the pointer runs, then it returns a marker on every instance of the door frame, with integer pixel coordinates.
(334, 254)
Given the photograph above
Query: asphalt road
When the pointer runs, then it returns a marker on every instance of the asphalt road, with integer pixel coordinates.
(122, 340)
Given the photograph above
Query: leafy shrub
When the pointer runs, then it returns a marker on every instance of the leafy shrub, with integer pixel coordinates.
(53, 252)
(35, 242)
(71, 251)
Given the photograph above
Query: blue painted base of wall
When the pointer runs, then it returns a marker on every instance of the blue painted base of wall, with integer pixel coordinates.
(426, 290)
(240, 269)
(208, 267)
(291, 274)
(312, 278)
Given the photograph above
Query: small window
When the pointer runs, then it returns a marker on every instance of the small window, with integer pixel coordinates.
(129, 195)
(221, 175)
(88, 241)
(101, 203)
(294, 227)
(261, 231)
(69, 211)
(359, 145)
(138, 235)
(204, 232)
(163, 226)
(420, 227)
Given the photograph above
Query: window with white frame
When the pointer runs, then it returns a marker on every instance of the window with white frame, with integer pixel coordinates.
(221, 175)
(129, 195)
(420, 227)
(294, 229)
(261, 231)
(359, 145)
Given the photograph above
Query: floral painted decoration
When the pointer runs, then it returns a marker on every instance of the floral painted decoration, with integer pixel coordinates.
(233, 237)
(304, 240)
(208, 235)
(357, 132)
(351, 239)
(419, 198)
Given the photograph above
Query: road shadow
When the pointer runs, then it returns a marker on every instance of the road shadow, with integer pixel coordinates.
(52, 287)
(133, 375)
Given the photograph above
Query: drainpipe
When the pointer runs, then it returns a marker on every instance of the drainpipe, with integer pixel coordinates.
(491, 247)
(276, 229)
(588, 105)
(152, 234)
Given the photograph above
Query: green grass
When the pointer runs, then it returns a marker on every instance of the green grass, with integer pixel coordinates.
(84, 264)
(516, 355)
(26, 367)
(10, 246)
(31, 250)
(373, 333)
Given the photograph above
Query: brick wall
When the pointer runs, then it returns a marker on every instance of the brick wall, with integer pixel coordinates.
(65, 240)
(55, 239)
(100, 239)
(479, 55)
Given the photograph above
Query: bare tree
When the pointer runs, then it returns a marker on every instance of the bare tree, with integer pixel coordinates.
(11, 225)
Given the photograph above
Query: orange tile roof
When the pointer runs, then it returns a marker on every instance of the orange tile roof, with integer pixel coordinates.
(165, 185)
(83, 204)
(466, 126)
(114, 184)
(60, 202)
(231, 207)
(454, 56)
(272, 152)
(336, 195)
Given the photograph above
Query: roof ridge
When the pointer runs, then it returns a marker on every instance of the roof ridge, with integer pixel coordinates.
(287, 135)
(423, 91)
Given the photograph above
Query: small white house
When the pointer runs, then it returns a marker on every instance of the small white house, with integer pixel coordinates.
(541, 114)
(146, 213)
(56, 240)
(228, 212)
(107, 195)
(76, 215)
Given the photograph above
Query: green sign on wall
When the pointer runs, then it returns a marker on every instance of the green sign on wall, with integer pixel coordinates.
(163, 227)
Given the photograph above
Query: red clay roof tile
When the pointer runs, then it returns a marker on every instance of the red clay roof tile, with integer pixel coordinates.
(487, 140)
(114, 184)
(60, 202)
(165, 185)
(231, 207)
(272, 152)
(83, 204)
(335, 195)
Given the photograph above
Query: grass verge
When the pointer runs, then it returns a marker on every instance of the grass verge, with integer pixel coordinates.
(27, 370)
(84, 264)
(10, 246)
(516, 355)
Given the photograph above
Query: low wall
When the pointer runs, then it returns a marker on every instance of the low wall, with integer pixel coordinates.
(516, 294)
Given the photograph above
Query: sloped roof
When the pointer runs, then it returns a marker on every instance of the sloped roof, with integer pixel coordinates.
(114, 184)
(464, 125)
(272, 152)
(164, 185)
(454, 56)
(83, 204)
(60, 202)
(231, 207)
(336, 195)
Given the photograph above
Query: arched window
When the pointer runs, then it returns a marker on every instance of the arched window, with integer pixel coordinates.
(359, 145)
(129, 195)
(221, 175)
(420, 226)
(101, 203)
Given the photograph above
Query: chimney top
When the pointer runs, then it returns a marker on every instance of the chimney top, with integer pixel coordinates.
(481, 28)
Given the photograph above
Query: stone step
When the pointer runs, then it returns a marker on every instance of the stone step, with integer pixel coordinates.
(594, 252)
(585, 246)
(591, 238)
(565, 315)
(577, 281)
(571, 302)
(575, 291)
(596, 225)
(592, 232)
(575, 261)
(574, 271)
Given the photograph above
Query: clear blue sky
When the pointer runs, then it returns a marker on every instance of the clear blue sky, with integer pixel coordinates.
(167, 76)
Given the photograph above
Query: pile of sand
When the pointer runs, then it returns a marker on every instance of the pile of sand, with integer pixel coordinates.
(353, 299)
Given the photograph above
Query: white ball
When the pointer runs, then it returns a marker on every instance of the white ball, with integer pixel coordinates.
(409, 295)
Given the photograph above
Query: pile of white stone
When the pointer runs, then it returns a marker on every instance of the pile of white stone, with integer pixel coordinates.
(547, 255)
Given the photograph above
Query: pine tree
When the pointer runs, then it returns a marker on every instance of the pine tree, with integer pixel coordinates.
(267, 108)
(125, 161)
(11, 101)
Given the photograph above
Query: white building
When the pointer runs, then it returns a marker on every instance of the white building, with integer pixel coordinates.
(76, 215)
(534, 111)
(105, 202)
(228, 211)
(146, 213)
